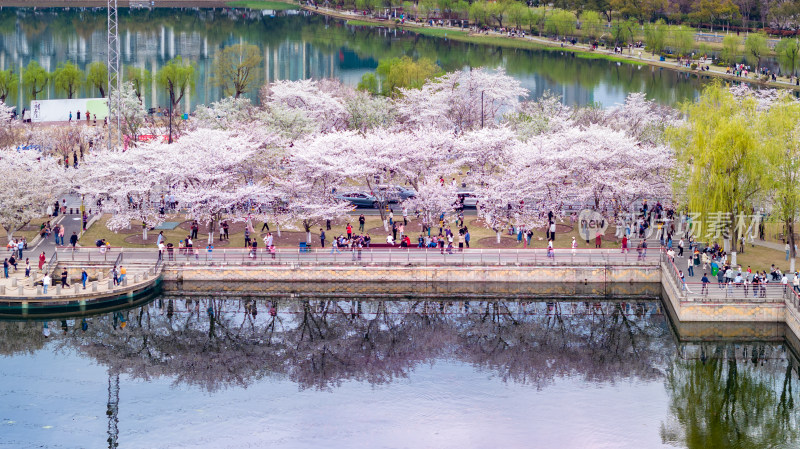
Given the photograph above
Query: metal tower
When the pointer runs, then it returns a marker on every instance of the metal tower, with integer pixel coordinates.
(114, 78)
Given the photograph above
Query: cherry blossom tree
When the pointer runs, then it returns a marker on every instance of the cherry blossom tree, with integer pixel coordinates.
(131, 110)
(223, 182)
(605, 166)
(463, 100)
(433, 199)
(29, 181)
(228, 113)
(127, 185)
(319, 101)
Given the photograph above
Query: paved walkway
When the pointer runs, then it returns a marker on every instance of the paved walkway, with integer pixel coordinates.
(17, 285)
(71, 222)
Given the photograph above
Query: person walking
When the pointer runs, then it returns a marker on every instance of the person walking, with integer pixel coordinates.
(20, 248)
(61, 235)
(42, 260)
(690, 268)
(5, 268)
(335, 246)
(705, 281)
(321, 238)
(466, 239)
(27, 268)
(73, 239)
(64, 275)
(84, 278)
(122, 273)
(624, 243)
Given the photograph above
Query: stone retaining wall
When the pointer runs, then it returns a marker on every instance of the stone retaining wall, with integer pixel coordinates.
(430, 274)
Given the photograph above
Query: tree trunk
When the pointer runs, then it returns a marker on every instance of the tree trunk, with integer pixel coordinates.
(278, 227)
(144, 233)
(498, 236)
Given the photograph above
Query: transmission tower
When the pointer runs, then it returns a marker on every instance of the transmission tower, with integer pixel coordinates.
(114, 78)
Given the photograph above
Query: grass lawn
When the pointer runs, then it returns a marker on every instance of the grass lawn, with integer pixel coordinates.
(760, 258)
(259, 4)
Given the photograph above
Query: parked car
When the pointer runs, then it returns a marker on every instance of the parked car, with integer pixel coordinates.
(467, 198)
(395, 194)
(360, 199)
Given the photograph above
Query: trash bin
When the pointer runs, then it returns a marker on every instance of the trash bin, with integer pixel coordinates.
(303, 247)
(714, 269)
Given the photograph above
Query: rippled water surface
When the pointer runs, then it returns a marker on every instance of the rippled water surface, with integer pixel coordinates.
(445, 374)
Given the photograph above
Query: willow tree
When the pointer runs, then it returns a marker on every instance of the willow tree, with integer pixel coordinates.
(720, 166)
(655, 36)
(8, 83)
(68, 79)
(139, 78)
(788, 51)
(236, 68)
(97, 76)
(35, 79)
(591, 24)
(177, 77)
(780, 131)
(731, 46)
(755, 48)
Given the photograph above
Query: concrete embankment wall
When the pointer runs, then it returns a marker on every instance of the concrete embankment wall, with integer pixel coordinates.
(443, 274)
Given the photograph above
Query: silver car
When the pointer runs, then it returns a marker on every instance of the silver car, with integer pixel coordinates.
(467, 198)
(395, 194)
(361, 199)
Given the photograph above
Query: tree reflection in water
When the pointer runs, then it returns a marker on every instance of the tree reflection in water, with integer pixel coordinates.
(721, 394)
(214, 344)
(732, 396)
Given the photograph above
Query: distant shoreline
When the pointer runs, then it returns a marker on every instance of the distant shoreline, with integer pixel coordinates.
(454, 34)
(535, 42)
(103, 3)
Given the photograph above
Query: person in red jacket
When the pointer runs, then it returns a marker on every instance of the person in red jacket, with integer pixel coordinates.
(349, 231)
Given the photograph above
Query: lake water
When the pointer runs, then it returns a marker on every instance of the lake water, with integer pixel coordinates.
(425, 373)
(298, 45)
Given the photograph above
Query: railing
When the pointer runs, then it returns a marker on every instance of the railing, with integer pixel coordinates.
(93, 254)
(157, 266)
(118, 262)
(715, 291)
(51, 264)
(384, 256)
